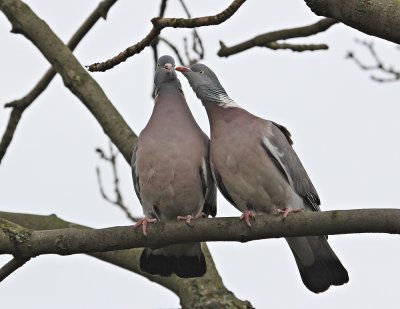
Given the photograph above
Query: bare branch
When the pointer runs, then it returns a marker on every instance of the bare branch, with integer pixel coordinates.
(12, 266)
(161, 23)
(269, 37)
(296, 47)
(379, 18)
(174, 49)
(75, 77)
(394, 75)
(20, 105)
(73, 240)
(154, 44)
(210, 289)
(118, 201)
(197, 45)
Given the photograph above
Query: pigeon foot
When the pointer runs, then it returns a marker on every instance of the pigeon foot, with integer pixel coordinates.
(288, 210)
(189, 218)
(143, 222)
(247, 215)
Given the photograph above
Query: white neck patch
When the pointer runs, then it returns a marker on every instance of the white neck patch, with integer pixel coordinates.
(221, 98)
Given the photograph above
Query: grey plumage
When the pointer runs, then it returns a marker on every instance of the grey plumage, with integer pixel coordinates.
(257, 170)
(171, 174)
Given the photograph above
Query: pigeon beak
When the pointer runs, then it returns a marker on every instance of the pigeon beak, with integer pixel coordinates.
(183, 69)
(168, 67)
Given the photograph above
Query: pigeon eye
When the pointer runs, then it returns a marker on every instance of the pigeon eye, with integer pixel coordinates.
(158, 65)
(201, 72)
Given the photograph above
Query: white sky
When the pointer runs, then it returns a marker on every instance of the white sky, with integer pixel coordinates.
(344, 127)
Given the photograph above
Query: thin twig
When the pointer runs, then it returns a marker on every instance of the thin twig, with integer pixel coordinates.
(197, 45)
(174, 49)
(12, 266)
(118, 201)
(158, 25)
(20, 105)
(296, 47)
(266, 38)
(378, 66)
(154, 44)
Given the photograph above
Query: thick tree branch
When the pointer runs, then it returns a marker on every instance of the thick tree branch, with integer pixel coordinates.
(75, 77)
(380, 18)
(210, 291)
(161, 23)
(74, 240)
(269, 37)
(20, 105)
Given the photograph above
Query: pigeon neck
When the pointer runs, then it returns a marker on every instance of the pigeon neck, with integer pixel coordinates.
(168, 88)
(219, 97)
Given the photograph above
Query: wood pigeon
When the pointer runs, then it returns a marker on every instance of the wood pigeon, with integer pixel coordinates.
(257, 170)
(171, 174)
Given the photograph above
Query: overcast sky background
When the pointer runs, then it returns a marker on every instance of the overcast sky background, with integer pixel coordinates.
(344, 127)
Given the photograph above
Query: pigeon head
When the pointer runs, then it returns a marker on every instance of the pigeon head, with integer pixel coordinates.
(165, 74)
(205, 84)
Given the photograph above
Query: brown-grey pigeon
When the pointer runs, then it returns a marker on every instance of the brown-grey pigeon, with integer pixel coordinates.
(257, 170)
(171, 174)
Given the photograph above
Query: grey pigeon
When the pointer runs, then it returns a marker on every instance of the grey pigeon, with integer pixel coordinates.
(171, 175)
(257, 170)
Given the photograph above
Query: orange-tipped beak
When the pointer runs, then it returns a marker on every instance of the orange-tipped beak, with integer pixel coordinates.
(183, 69)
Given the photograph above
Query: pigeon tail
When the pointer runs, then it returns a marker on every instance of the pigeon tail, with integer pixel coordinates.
(184, 260)
(325, 269)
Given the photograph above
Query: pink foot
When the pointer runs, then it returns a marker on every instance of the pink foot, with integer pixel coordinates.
(288, 210)
(189, 218)
(247, 215)
(143, 222)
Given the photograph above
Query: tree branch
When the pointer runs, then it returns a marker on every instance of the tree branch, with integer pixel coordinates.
(296, 47)
(378, 66)
(118, 201)
(12, 266)
(161, 23)
(75, 77)
(379, 18)
(269, 37)
(74, 240)
(210, 290)
(174, 49)
(20, 105)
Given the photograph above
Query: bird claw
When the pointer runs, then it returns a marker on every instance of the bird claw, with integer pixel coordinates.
(187, 218)
(247, 215)
(143, 222)
(288, 210)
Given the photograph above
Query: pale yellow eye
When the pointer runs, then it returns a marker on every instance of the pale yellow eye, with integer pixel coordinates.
(201, 72)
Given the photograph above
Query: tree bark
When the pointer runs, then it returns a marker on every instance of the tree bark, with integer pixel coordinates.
(23, 242)
(205, 292)
(380, 18)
